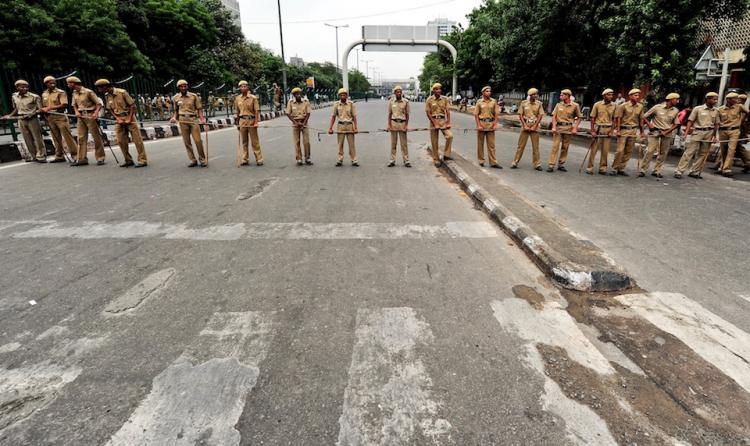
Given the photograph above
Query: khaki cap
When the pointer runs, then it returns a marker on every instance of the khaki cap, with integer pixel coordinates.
(21, 82)
(567, 91)
(436, 85)
(742, 96)
(296, 90)
(673, 96)
(73, 80)
(532, 91)
(712, 94)
(241, 83)
(48, 78)
(397, 87)
(102, 82)
(343, 90)
(486, 87)
(732, 95)
(181, 82)
(607, 91)
(634, 91)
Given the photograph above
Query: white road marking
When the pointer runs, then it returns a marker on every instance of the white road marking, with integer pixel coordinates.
(236, 231)
(744, 296)
(554, 326)
(10, 347)
(714, 339)
(199, 397)
(388, 397)
(151, 286)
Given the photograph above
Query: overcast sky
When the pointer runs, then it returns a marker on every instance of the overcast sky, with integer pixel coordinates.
(315, 42)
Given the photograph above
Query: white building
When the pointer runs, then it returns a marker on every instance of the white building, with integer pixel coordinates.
(444, 26)
(234, 7)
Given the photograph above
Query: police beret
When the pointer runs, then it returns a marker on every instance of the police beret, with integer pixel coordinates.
(486, 87)
(296, 90)
(241, 83)
(567, 91)
(397, 87)
(436, 85)
(343, 90)
(742, 96)
(73, 80)
(607, 91)
(634, 91)
(532, 91)
(731, 95)
(712, 94)
(102, 82)
(48, 78)
(673, 96)
(181, 82)
(21, 82)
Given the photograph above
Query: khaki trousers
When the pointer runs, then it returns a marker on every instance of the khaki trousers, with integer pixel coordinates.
(31, 130)
(561, 144)
(522, 138)
(625, 145)
(59, 127)
(694, 157)
(122, 131)
(84, 126)
(659, 145)
(349, 137)
(728, 148)
(602, 148)
(302, 133)
(397, 135)
(188, 129)
(434, 133)
(489, 137)
(249, 132)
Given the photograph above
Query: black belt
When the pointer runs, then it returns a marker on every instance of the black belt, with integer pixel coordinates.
(487, 119)
(398, 120)
(564, 123)
(188, 115)
(438, 116)
(247, 116)
(703, 128)
(729, 128)
(604, 125)
(346, 122)
(122, 114)
(628, 126)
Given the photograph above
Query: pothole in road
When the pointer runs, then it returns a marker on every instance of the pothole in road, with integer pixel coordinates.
(257, 189)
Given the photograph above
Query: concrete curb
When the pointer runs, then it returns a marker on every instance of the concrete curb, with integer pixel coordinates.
(565, 272)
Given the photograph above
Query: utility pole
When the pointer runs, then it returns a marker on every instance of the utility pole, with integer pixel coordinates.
(356, 50)
(337, 42)
(367, 68)
(283, 59)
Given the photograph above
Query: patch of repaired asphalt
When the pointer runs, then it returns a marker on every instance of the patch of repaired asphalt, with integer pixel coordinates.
(532, 296)
(258, 189)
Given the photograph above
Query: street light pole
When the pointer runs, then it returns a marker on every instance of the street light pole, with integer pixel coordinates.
(356, 50)
(337, 41)
(283, 59)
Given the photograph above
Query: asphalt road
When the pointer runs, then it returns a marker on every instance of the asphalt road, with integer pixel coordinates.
(312, 305)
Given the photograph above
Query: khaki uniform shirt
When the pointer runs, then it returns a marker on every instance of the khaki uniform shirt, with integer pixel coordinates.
(28, 104)
(487, 111)
(119, 102)
(298, 110)
(630, 117)
(188, 104)
(85, 100)
(399, 110)
(731, 116)
(704, 118)
(663, 117)
(566, 115)
(604, 113)
(247, 106)
(344, 112)
(54, 98)
(531, 112)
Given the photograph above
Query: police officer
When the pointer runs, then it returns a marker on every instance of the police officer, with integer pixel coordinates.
(27, 105)
(486, 114)
(702, 125)
(298, 111)
(627, 122)
(398, 123)
(662, 121)
(731, 115)
(247, 116)
(187, 107)
(87, 107)
(122, 107)
(565, 119)
(530, 113)
(346, 112)
(602, 117)
(438, 112)
(55, 100)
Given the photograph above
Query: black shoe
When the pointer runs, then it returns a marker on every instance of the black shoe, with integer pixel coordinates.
(244, 163)
(193, 164)
(339, 163)
(137, 165)
(355, 164)
(447, 158)
(562, 169)
(127, 164)
(407, 164)
(746, 169)
(539, 168)
(392, 164)
(589, 172)
(29, 160)
(259, 163)
(602, 172)
(481, 164)
(653, 174)
(622, 173)
(641, 174)
(79, 163)
(439, 164)
(57, 160)
(549, 169)
(697, 176)
(41, 161)
(299, 162)
(728, 174)
(514, 166)
(100, 163)
(308, 162)
(496, 166)
(203, 164)
(658, 175)
(678, 176)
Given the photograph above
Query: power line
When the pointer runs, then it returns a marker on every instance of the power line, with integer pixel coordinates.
(431, 5)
